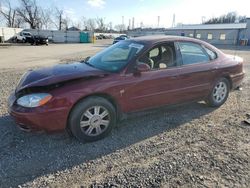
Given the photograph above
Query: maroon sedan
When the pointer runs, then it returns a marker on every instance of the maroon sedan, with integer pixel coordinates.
(89, 97)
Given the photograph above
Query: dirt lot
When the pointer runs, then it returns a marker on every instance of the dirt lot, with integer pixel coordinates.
(191, 145)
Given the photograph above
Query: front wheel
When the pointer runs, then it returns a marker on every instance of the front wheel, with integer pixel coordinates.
(92, 119)
(219, 94)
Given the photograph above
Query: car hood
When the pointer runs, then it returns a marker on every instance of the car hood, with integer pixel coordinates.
(57, 74)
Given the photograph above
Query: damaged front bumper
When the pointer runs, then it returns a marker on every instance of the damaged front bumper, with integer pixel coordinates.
(44, 118)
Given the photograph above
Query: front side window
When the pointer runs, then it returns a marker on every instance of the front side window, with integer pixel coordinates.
(160, 57)
(115, 57)
(192, 53)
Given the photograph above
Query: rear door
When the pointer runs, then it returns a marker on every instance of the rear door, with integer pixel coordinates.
(197, 71)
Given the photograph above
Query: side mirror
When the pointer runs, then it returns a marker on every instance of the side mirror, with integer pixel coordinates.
(143, 67)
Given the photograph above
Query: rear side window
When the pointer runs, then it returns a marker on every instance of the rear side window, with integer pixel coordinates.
(192, 53)
(211, 53)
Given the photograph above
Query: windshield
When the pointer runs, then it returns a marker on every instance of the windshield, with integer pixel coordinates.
(115, 57)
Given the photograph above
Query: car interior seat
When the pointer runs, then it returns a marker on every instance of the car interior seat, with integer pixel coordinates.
(167, 57)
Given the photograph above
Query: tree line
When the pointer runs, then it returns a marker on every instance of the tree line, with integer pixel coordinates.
(231, 17)
(30, 13)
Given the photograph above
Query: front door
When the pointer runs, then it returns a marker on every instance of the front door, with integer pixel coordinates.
(158, 86)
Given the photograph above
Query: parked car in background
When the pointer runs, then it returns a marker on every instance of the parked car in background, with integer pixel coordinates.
(38, 39)
(23, 36)
(89, 97)
(117, 39)
(126, 36)
(98, 37)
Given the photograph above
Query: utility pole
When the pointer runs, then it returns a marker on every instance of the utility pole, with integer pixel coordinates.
(60, 21)
(122, 20)
(133, 23)
(141, 25)
(158, 21)
(203, 18)
(173, 23)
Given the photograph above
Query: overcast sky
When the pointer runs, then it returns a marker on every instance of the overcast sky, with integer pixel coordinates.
(147, 11)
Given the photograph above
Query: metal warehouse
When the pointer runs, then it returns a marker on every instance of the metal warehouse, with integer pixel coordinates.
(229, 34)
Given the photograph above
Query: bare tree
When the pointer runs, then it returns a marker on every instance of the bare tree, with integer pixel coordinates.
(110, 26)
(230, 17)
(18, 22)
(83, 23)
(120, 27)
(8, 13)
(66, 22)
(100, 24)
(91, 24)
(46, 19)
(58, 18)
(61, 20)
(30, 12)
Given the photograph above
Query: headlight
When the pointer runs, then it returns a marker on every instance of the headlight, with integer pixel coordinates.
(34, 100)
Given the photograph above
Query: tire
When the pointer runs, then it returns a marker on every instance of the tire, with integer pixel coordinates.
(92, 119)
(219, 93)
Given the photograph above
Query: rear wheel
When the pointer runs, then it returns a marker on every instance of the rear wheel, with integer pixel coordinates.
(219, 94)
(92, 119)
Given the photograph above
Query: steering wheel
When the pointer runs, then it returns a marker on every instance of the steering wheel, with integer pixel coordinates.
(151, 63)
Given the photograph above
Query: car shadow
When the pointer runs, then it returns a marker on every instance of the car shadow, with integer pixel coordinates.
(26, 156)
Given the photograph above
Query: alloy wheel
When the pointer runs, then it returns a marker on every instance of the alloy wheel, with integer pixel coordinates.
(220, 92)
(95, 120)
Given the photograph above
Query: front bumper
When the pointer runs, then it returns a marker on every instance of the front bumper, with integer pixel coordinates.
(48, 119)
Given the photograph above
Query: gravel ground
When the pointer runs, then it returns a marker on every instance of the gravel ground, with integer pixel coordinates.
(187, 146)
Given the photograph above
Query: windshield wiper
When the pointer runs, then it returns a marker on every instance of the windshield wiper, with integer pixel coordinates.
(86, 62)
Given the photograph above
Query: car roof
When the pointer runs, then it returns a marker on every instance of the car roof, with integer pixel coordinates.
(162, 38)
(154, 39)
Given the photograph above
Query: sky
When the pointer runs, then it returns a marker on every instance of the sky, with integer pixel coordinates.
(148, 11)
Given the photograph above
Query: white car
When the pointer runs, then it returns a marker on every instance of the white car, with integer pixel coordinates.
(21, 37)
